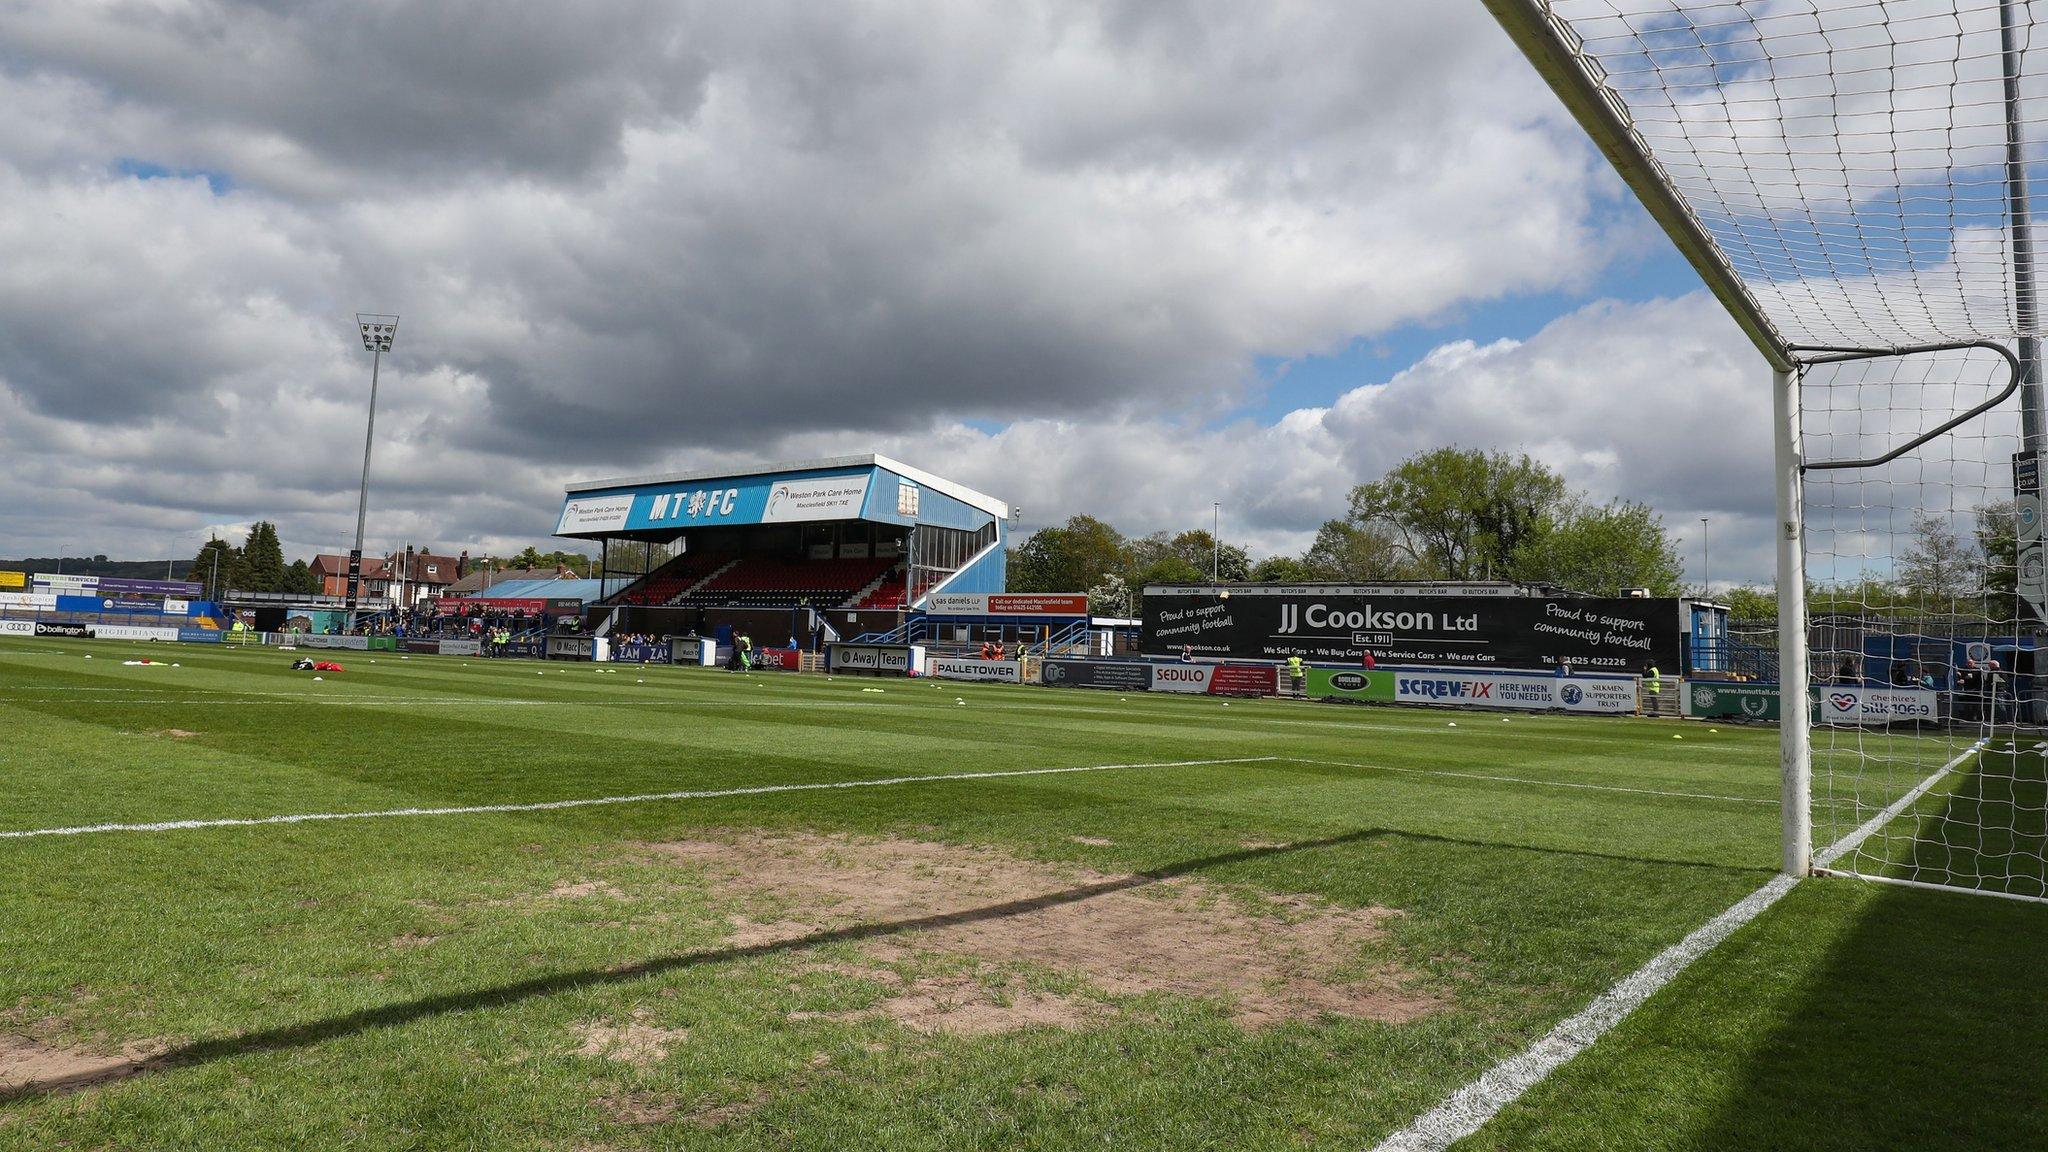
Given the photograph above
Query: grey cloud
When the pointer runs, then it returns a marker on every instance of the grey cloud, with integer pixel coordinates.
(349, 90)
(654, 232)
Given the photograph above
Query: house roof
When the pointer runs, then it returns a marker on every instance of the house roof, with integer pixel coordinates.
(336, 564)
(548, 589)
(444, 567)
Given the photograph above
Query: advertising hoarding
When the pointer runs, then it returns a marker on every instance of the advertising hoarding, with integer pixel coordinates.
(120, 586)
(820, 498)
(1007, 604)
(1376, 685)
(1217, 679)
(130, 632)
(594, 514)
(1709, 700)
(1836, 705)
(999, 671)
(1854, 706)
(1507, 690)
(322, 640)
(837, 495)
(1121, 675)
(1340, 625)
(901, 659)
(572, 648)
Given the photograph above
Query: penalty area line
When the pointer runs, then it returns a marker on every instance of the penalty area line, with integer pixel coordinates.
(1467, 1110)
(597, 801)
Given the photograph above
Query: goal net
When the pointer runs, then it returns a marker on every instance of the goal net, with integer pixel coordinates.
(1851, 179)
(1927, 757)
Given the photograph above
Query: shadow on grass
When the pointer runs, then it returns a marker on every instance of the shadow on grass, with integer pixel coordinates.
(394, 1015)
(1992, 831)
(1926, 1025)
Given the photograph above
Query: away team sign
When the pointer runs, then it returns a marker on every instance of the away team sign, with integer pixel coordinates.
(1334, 624)
(756, 500)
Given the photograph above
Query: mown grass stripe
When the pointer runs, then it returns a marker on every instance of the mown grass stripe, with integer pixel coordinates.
(595, 801)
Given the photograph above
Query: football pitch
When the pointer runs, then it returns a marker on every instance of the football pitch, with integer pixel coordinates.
(431, 903)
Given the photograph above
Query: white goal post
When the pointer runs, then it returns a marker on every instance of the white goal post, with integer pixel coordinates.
(1850, 178)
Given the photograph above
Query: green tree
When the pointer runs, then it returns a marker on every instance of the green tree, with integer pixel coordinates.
(299, 579)
(1998, 538)
(1362, 553)
(1746, 603)
(1067, 558)
(1167, 568)
(1192, 548)
(1112, 597)
(1601, 550)
(1229, 561)
(1284, 570)
(1462, 514)
(262, 561)
(1939, 566)
(214, 567)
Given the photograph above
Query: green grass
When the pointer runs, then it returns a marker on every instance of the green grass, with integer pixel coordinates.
(272, 958)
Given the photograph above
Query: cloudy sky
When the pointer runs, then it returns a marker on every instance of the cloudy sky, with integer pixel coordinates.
(1117, 258)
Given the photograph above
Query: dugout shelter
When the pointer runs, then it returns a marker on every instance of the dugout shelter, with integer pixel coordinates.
(793, 553)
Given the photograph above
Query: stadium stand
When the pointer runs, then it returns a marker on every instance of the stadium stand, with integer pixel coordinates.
(771, 582)
(803, 552)
(885, 594)
(671, 582)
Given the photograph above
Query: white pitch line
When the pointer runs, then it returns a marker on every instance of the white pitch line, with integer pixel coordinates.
(642, 798)
(1469, 1108)
(294, 699)
(1868, 828)
(1526, 780)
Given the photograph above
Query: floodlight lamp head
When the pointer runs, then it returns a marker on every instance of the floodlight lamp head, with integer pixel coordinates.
(377, 331)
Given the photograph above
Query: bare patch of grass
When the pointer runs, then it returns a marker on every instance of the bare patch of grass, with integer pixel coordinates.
(635, 1042)
(1293, 958)
(30, 1064)
(640, 1108)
